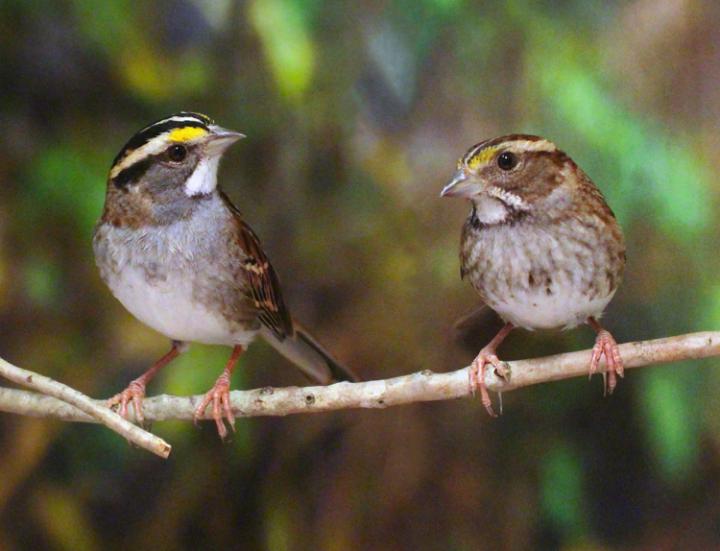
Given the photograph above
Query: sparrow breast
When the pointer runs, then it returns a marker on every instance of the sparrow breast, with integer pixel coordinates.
(542, 276)
(181, 279)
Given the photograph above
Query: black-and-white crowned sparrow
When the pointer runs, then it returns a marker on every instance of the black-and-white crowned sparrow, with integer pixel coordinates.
(178, 255)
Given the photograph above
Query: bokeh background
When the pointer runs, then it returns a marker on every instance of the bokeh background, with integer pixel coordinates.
(356, 113)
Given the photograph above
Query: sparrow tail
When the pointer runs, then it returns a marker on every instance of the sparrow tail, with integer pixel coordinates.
(305, 352)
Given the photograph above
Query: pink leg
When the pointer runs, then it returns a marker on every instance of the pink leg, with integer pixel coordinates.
(487, 356)
(605, 345)
(219, 395)
(135, 391)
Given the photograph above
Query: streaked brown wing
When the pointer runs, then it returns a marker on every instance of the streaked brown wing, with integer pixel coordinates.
(263, 283)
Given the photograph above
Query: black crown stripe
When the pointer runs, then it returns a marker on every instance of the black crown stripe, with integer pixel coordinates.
(133, 172)
(203, 118)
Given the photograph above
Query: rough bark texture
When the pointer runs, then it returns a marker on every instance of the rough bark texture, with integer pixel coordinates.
(422, 386)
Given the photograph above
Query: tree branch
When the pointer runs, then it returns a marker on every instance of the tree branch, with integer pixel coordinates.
(57, 397)
(417, 387)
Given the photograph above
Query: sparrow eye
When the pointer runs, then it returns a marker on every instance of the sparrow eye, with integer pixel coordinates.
(507, 160)
(177, 153)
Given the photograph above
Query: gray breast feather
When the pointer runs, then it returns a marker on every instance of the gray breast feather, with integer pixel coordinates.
(192, 258)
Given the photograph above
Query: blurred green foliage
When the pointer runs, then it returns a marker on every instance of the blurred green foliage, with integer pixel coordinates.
(356, 113)
(282, 27)
(562, 492)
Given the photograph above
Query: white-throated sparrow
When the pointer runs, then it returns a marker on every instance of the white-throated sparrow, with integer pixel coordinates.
(541, 246)
(178, 255)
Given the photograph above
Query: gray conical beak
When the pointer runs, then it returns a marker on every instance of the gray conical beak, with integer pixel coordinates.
(220, 139)
(459, 186)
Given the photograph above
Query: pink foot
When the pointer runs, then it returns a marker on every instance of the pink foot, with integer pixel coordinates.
(605, 345)
(135, 393)
(219, 395)
(477, 376)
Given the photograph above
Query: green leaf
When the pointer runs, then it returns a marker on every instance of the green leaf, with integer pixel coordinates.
(41, 280)
(562, 495)
(669, 402)
(67, 182)
(287, 44)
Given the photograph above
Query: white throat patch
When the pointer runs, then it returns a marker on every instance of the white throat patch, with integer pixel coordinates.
(204, 179)
(490, 210)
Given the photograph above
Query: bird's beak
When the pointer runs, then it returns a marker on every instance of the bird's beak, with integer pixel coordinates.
(220, 139)
(459, 185)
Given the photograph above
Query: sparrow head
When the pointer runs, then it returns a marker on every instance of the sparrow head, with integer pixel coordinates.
(165, 170)
(514, 171)
(180, 153)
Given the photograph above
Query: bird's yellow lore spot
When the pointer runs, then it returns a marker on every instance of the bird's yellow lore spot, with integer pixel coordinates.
(482, 157)
(186, 133)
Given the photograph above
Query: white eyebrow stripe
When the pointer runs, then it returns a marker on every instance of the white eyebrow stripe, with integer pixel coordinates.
(153, 147)
(518, 146)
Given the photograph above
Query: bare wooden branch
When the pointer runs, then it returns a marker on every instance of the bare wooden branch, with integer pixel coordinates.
(417, 387)
(58, 396)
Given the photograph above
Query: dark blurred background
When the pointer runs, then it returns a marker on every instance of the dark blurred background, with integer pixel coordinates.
(356, 113)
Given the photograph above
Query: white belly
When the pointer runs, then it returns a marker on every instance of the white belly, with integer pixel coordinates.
(540, 279)
(168, 307)
(538, 310)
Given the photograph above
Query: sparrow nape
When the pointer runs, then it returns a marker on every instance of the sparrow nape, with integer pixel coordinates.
(540, 246)
(178, 255)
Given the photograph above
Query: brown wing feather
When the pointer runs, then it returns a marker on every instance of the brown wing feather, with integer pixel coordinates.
(263, 283)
